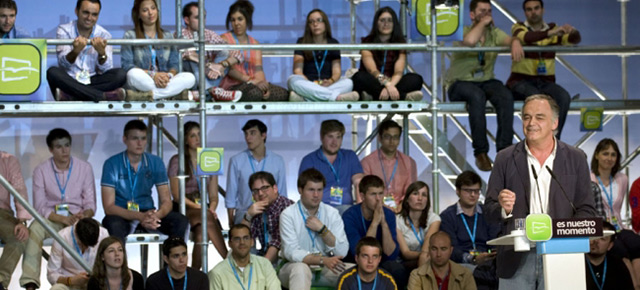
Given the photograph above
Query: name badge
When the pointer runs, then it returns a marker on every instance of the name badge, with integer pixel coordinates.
(614, 221)
(474, 252)
(389, 201)
(197, 201)
(62, 209)
(542, 68)
(478, 74)
(132, 206)
(83, 77)
(335, 197)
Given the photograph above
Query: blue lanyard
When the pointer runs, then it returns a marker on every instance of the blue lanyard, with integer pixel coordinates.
(133, 176)
(193, 173)
(311, 236)
(184, 286)
(384, 174)
(63, 189)
(109, 286)
(153, 52)
(88, 45)
(336, 172)
(364, 225)
(475, 223)
(251, 159)
(375, 281)
(13, 30)
(319, 68)
(264, 228)
(384, 62)
(75, 243)
(246, 54)
(609, 194)
(421, 236)
(593, 275)
(238, 277)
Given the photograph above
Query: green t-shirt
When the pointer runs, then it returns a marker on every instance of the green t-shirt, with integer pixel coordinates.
(465, 66)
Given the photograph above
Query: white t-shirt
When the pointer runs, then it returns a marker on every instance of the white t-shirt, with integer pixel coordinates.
(407, 232)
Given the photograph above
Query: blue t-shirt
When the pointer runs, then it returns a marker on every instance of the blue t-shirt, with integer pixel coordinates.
(346, 165)
(357, 228)
(151, 171)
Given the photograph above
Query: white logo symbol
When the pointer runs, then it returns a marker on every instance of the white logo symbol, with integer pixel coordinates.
(592, 120)
(210, 161)
(26, 67)
(538, 227)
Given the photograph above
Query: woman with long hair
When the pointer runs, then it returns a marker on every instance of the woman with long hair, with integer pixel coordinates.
(248, 77)
(317, 73)
(381, 71)
(415, 225)
(192, 198)
(111, 271)
(605, 171)
(152, 70)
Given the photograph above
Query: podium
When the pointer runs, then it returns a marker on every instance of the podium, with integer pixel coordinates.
(563, 260)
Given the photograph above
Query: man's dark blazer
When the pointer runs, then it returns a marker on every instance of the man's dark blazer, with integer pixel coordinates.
(511, 171)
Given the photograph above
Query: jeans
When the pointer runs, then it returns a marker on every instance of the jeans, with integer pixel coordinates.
(110, 80)
(364, 81)
(311, 91)
(476, 95)
(524, 88)
(529, 274)
(173, 224)
(194, 68)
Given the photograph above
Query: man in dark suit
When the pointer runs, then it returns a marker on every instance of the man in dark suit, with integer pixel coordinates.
(515, 191)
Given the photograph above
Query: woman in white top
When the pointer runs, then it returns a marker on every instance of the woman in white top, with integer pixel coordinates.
(415, 225)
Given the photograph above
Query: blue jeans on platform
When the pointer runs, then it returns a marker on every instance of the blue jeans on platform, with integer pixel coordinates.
(522, 89)
(476, 95)
(173, 224)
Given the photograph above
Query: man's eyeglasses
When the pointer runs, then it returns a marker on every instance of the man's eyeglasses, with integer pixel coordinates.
(261, 189)
(471, 191)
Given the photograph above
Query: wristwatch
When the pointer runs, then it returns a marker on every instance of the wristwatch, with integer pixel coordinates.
(321, 261)
(102, 57)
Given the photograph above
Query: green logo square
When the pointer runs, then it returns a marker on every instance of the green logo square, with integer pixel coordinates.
(210, 161)
(538, 227)
(19, 69)
(448, 19)
(592, 119)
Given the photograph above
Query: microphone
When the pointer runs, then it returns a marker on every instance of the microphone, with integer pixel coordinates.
(553, 175)
(535, 176)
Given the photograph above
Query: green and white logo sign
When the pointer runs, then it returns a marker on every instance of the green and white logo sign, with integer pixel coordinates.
(591, 119)
(210, 161)
(539, 227)
(448, 18)
(19, 69)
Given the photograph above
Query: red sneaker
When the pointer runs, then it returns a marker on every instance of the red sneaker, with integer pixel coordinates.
(222, 95)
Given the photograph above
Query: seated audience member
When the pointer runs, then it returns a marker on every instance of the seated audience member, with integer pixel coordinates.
(241, 270)
(312, 235)
(536, 73)
(13, 229)
(85, 72)
(604, 269)
(605, 171)
(415, 224)
(248, 77)
(381, 75)
(263, 216)
(371, 219)
(8, 28)
(316, 73)
(152, 70)
(471, 79)
(255, 158)
(111, 271)
(192, 195)
(127, 180)
(217, 62)
(440, 272)
(366, 274)
(63, 272)
(341, 168)
(469, 231)
(63, 193)
(396, 169)
(176, 274)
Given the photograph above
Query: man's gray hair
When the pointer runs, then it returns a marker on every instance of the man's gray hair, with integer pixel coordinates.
(555, 109)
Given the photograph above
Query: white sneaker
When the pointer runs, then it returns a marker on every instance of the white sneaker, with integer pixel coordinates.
(413, 96)
(294, 97)
(348, 97)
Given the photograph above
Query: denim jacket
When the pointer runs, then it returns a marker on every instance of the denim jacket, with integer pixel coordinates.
(140, 56)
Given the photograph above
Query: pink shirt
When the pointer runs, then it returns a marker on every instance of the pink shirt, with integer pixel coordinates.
(10, 170)
(406, 173)
(61, 264)
(80, 192)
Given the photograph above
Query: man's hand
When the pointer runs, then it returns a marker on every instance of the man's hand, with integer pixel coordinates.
(79, 43)
(557, 30)
(191, 55)
(484, 257)
(517, 53)
(70, 220)
(99, 44)
(485, 19)
(314, 224)
(378, 215)
(161, 79)
(214, 71)
(334, 264)
(79, 280)
(507, 199)
(21, 232)
(567, 28)
(257, 208)
(150, 221)
(212, 211)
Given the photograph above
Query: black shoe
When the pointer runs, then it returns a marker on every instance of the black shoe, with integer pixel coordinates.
(30, 286)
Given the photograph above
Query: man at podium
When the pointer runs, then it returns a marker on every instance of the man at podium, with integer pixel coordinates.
(538, 175)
